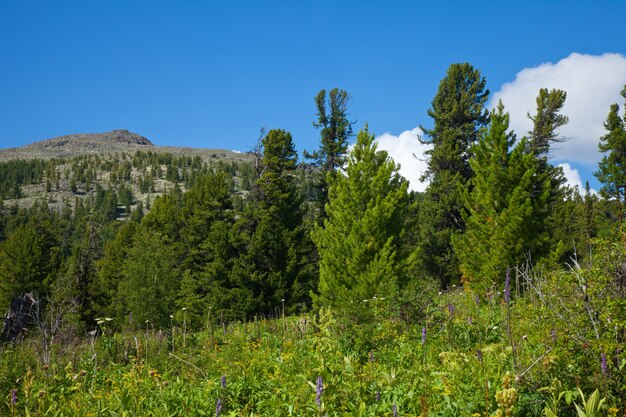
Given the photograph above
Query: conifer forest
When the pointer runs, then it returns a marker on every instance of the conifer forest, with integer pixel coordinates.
(314, 282)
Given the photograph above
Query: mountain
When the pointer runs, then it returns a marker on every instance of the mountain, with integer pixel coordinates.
(70, 146)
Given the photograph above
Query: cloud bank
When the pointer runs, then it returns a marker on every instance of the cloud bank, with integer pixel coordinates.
(592, 84)
(406, 150)
(573, 180)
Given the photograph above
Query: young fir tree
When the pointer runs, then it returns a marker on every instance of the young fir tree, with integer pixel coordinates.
(499, 207)
(611, 172)
(360, 244)
(458, 111)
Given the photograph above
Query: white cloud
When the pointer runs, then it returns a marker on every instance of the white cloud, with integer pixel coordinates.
(407, 150)
(572, 177)
(592, 84)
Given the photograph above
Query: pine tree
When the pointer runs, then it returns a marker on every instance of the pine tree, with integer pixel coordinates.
(548, 192)
(361, 242)
(275, 252)
(458, 111)
(611, 172)
(499, 207)
(546, 120)
(335, 131)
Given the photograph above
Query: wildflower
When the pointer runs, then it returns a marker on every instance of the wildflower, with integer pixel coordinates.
(507, 286)
(218, 407)
(603, 364)
(13, 397)
(371, 356)
(451, 308)
(479, 355)
(423, 335)
(394, 410)
(377, 395)
(553, 335)
(223, 381)
(319, 391)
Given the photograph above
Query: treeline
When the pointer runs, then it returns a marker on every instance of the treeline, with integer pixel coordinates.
(234, 241)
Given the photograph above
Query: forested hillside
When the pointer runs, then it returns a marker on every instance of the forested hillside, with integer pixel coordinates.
(498, 289)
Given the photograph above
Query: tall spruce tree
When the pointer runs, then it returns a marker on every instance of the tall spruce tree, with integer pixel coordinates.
(275, 251)
(546, 121)
(611, 172)
(335, 131)
(458, 111)
(499, 207)
(361, 242)
(548, 193)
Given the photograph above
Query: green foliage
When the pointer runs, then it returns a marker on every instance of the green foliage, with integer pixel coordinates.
(611, 171)
(499, 207)
(458, 111)
(149, 281)
(545, 121)
(360, 243)
(28, 261)
(336, 130)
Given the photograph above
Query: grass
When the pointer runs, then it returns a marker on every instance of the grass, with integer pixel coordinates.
(370, 362)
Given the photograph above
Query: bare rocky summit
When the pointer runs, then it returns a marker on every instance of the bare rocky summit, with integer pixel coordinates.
(79, 144)
(70, 146)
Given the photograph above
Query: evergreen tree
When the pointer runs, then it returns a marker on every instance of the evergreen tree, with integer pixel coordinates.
(546, 120)
(335, 131)
(499, 207)
(458, 111)
(548, 192)
(149, 282)
(275, 252)
(110, 273)
(360, 243)
(611, 172)
(29, 260)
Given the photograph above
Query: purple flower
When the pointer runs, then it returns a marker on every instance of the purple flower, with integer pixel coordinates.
(13, 396)
(394, 410)
(223, 381)
(377, 395)
(507, 286)
(603, 364)
(423, 335)
(477, 300)
(319, 391)
(553, 335)
(371, 356)
(479, 355)
(451, 308)
(218, 407)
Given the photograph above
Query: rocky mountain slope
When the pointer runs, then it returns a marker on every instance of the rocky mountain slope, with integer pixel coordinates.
(70, 146)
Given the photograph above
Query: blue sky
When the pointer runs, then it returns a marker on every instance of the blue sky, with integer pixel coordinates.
(212, 73)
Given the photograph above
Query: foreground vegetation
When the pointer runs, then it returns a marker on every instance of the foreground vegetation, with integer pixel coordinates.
(540, 352)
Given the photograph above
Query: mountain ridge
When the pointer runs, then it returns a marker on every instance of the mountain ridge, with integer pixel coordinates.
(119, 140)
